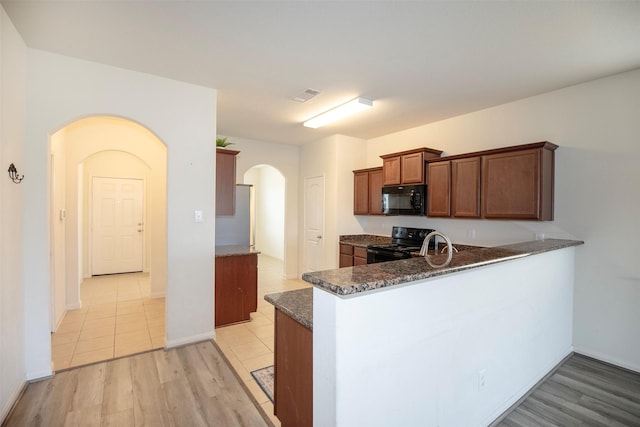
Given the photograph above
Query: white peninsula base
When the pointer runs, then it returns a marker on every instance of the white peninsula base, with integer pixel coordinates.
(454, 350)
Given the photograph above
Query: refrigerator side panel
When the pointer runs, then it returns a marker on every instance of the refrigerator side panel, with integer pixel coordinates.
(236, 230)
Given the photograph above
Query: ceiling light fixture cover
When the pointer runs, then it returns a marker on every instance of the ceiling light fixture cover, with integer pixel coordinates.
(339, 112)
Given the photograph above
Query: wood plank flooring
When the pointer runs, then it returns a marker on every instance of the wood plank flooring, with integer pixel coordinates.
(581, 392)
(187, 386)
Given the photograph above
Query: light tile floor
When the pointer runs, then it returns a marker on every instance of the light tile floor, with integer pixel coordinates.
(118, 318)
(249, 346)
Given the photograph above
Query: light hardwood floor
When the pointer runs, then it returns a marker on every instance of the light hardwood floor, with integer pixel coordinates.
(581, 392)
(187, 386)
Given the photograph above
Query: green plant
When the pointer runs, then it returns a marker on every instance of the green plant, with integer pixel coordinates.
(222, 142)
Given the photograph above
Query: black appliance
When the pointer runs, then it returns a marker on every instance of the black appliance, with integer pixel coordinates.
(404, 240)
(404, 200)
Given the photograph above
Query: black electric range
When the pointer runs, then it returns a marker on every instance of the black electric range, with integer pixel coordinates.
(404, 241)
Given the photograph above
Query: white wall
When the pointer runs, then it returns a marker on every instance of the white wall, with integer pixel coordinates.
(58, 230)
(269, 197)
(13, 63)
(284, 158)
(111, 146)
(335, 158)
(412, 355)
(183, 116)
(596, 196)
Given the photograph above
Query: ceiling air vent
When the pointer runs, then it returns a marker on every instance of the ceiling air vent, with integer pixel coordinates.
(306, 95)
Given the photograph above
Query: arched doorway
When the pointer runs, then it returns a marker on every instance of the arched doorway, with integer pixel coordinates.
(111, 147)
(269, 209)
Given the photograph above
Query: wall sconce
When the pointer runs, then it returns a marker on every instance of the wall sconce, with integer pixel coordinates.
(14, 175)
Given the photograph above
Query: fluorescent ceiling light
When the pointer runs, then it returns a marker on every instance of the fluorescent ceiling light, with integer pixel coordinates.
(340, 112)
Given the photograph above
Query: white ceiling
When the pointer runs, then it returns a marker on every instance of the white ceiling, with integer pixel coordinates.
(420, 61)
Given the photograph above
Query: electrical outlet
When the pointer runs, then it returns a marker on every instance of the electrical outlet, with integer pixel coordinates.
(482, 379)
(539, 236)
(471, 233)
(197, 216)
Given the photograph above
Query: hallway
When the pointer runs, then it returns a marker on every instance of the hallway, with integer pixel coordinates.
(118, 318)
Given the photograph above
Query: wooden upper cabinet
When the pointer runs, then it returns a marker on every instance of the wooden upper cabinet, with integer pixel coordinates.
(412, 169)
(407, 167)
(225, 181)
(360, 192)
(439, 190)
(506, 183)
(465, 188)
(367, 191)
(391, 171)
(519, 184)
(375, 191)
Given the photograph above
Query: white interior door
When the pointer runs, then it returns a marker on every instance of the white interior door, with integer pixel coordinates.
(117, 228)
(313, 223)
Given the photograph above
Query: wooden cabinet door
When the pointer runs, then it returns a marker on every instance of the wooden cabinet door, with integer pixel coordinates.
(236, 288)
(439, 189)
(359, 256)
(511, 185)
(412, 169)
(225, 182)
(251, 284)
(346, 255)
(375, 192)
(229, 301)
(465, 188)
(293, 363)
(391, 170)
(360, 193)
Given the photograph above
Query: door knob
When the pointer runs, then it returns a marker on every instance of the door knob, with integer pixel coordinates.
(318, 237)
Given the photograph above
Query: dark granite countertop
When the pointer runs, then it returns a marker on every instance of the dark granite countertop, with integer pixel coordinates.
(364, 240)
(235, 250)
(296, 304)
(362, 278)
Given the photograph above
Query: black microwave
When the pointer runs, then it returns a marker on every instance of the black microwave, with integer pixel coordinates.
(404, 200)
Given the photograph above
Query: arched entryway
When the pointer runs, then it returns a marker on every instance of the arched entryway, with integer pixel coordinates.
(269, 209)
(110, 148)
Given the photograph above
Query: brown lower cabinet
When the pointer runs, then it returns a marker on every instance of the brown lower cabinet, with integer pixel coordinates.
(346, 255)
(236, 288)
(293, 368)
(352, 255)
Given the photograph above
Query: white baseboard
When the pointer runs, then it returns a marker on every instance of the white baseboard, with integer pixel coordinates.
(190, 340)
(39, 375)
(13, 399)
(73, 306)
(608, 359)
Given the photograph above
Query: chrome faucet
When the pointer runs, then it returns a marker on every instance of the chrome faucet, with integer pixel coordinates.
(425, 247)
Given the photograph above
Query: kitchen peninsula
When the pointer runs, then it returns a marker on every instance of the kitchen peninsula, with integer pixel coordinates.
(402, 343)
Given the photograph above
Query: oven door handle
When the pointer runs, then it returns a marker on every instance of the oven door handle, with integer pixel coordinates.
(398, 255)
